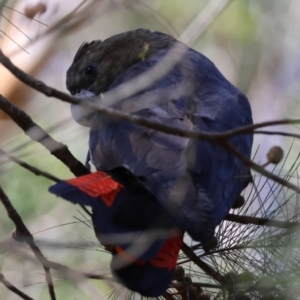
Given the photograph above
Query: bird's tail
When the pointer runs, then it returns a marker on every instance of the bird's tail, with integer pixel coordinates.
(144, 263)
(149, 278)
(86, 189)
(123, 213)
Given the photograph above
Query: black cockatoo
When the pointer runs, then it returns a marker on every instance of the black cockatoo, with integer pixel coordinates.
(151, 186)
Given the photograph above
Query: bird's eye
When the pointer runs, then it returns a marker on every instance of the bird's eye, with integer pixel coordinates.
(90, 71)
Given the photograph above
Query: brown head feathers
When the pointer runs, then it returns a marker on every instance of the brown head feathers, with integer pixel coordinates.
(86, 48)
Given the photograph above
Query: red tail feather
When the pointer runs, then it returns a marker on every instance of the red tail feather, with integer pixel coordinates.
(165, 258)
(98, 184)
(168, 254)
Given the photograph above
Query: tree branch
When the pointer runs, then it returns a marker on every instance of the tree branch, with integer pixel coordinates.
(202, 265)
(28, 167)
(261, 221)
(36, 133)
(13, 288)
(293, 135)
(22, 229)
(227, 145)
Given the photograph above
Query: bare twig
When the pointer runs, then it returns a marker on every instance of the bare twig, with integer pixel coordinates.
(68, 272)
(293, 135)
(36, 133)
(261, 221)
(202, 265)
(59, 150)
(67, 22)
(19, 12)
(249, 129)
(200, 284)
(25, 235)
(1, 15)
(202, 21)
(14, 41)
(30, 168)
(145, 7)
(22, 229)
(15, 290)
(258, 168)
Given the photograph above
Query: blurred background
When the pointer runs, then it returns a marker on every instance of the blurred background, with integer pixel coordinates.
(255, 44)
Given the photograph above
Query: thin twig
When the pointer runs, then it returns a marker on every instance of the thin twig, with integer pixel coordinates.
(22, 229)
(68, 272)
(249, 129)
(202, 21)
(12, 288)
(200, 284)
(261, 221)
(202, 265)
(14, 41)
(67, 22)
(36, 133)
(227, 145)
(293, 135)
(1, 15)
(168, 296)
(30, 168)
(19, 12)
(157, 16)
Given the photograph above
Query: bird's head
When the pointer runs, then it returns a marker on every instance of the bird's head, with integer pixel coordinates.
(97, 64)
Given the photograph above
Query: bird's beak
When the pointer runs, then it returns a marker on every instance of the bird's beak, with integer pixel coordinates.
(85, 95)
(81, 114)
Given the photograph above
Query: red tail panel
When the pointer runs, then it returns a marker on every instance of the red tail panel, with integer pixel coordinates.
(166, 258)
(129, 258)
(168, 254)
(98, 184)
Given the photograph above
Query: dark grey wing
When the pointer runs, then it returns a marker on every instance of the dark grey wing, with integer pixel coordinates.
(221, 173)
(194, 180)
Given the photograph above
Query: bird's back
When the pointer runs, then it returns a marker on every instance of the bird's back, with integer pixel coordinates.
(192, 95)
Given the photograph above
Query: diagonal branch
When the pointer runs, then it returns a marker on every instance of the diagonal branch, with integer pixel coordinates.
(28, 167)
(23, 234)
(59, 150)
(13, 288)
(202, 265)
(36, 133)
(22, 229)
(227, 145)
